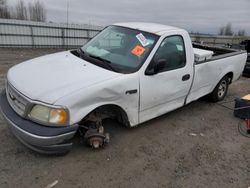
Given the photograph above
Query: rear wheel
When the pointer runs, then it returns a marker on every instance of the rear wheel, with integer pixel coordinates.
(220, 91)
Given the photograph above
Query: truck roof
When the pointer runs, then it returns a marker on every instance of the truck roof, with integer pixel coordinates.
(155, 28)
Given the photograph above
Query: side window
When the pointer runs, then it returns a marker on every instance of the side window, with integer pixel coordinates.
(172, 53)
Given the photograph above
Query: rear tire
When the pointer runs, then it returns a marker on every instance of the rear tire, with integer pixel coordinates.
(220, 91)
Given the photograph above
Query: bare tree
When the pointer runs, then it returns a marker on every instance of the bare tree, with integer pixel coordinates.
(4, 10)
(37, 12)
(241, 32)
(222, 31)
(21, 11)
(226, 30)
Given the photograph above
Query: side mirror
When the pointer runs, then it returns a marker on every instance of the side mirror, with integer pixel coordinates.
(156, 67)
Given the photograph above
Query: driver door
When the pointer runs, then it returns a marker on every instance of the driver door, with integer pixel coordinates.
(166, 89)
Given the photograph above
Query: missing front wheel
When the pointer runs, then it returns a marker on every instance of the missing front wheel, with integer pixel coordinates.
(95, 135)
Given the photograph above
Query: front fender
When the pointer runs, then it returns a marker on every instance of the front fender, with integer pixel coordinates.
(112, 92)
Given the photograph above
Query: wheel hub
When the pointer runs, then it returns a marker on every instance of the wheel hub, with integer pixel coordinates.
(222, 88)
(95, 137)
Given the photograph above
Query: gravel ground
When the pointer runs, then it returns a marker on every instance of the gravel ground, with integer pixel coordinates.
(195, 146)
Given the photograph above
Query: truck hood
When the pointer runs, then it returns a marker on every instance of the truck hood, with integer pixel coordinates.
(51, 77)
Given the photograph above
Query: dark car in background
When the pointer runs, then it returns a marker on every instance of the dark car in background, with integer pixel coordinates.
(244, 45)
(246, 71)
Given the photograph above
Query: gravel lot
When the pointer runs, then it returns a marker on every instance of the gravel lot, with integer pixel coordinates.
(195, 146)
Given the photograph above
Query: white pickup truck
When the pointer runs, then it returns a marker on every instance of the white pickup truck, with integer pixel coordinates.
(131, 72)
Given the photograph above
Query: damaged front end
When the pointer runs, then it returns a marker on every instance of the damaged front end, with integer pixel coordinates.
(40, 138)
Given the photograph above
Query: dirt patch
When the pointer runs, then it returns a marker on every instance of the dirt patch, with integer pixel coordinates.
(195, 146)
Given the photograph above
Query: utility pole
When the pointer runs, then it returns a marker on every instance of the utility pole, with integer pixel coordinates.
(67, 35)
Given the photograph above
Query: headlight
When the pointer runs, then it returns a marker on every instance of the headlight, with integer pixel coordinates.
(49, 115)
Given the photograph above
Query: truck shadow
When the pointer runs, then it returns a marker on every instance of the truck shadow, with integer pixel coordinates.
(120, 134)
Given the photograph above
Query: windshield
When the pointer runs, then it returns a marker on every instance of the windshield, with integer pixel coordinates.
(124, 49)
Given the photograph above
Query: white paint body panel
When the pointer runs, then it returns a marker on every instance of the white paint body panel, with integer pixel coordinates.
(64, 79)
(50, 77)
(165, 91)
(207, 75)
(148, 27)
(83, 101)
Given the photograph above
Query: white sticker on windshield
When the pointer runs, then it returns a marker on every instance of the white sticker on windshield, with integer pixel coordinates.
(142, 39)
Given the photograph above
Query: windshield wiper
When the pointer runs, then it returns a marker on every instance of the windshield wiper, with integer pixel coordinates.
(80, 52)
(106, 62)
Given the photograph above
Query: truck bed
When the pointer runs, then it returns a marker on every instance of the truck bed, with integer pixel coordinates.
(208, 73)
(219, 52)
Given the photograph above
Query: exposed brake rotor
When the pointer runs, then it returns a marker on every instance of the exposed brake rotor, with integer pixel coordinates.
(95, 136)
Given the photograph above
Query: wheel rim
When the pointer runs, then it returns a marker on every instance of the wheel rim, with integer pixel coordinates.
(222, 89)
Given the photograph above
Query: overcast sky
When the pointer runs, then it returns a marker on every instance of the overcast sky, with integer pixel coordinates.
(205, 16)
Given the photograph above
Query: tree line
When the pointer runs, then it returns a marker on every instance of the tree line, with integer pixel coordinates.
(227, 30)
(32, 11)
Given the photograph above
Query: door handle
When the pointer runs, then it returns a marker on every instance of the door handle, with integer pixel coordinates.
(185, 77)
(131, 91)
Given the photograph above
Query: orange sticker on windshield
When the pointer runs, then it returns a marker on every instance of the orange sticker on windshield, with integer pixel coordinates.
(138, 50)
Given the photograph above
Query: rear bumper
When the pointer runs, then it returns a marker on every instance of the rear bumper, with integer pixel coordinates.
(48, 140)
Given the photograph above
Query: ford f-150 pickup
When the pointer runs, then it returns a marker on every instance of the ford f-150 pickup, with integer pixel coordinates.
(131, 72)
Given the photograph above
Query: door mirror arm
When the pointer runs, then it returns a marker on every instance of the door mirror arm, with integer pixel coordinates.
(150, 72)
(156, 68)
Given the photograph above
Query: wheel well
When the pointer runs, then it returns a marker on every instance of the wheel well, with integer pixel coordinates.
(230, 76)
(108, 111)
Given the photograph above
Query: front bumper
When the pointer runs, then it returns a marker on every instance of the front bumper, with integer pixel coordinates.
(43, 139)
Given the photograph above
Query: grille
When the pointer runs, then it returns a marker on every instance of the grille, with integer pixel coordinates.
(16, 100)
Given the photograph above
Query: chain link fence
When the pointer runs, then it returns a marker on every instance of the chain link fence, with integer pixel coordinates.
(18, 33)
